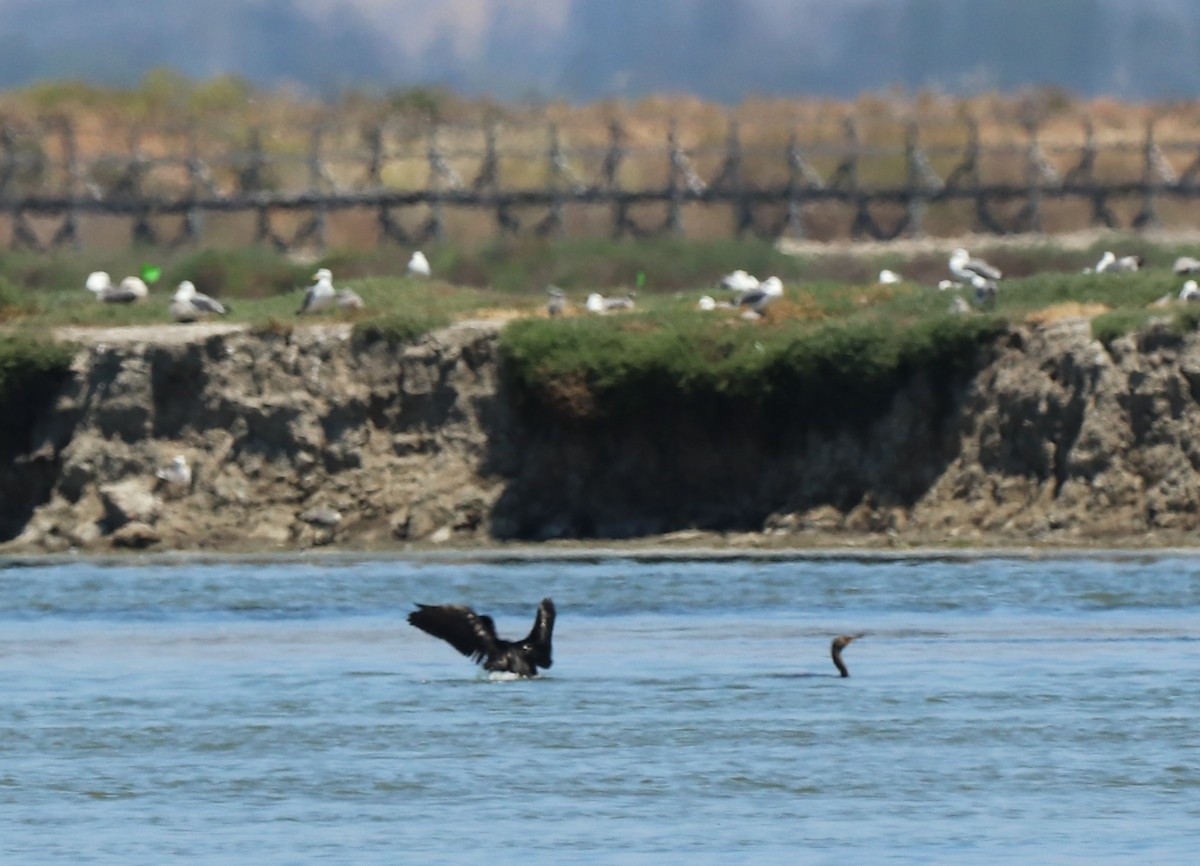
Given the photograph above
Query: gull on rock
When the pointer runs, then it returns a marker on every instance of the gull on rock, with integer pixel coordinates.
(320, 294)
(964, 267)
(188, 305)
(418, 265)
(177, 473)
(131, 290)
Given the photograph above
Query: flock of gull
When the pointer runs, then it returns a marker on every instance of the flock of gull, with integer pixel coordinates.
(743, 291)
(190, 305)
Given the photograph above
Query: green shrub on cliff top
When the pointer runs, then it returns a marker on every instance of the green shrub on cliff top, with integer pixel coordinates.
(799, 375)
(25, 359)
(402, 326)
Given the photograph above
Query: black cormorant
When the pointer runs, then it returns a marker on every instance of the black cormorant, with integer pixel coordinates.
(474, 635)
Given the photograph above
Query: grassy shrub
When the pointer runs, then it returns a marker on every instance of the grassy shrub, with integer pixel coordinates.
(1115, 324)
(830, 375)
(396, 328)
(1187, 319)
(1113, 290)
(13, 301)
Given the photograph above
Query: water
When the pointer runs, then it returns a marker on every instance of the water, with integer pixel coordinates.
(277, 712)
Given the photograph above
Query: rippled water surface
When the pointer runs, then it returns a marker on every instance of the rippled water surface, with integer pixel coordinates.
(281, 711)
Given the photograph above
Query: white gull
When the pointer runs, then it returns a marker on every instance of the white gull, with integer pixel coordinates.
(188, 305)
(131, 290)
(739, 281)
(418, 265)
(758, 299)
(964, 267)
(177, 473)
(320, 294)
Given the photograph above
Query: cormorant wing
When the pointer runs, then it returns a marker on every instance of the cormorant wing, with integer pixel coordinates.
(538, 639)
(468, 632)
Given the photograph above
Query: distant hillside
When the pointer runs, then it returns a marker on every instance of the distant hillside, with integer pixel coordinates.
(587, 49)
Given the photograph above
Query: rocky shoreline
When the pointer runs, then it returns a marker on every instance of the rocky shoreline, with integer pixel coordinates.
(307, 438)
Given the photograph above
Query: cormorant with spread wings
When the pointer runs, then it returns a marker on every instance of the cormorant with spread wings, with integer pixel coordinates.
(474, 635)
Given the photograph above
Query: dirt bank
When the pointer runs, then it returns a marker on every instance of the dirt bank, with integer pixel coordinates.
(307, 438)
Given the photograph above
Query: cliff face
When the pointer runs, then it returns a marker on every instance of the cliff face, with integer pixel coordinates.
(308, 438)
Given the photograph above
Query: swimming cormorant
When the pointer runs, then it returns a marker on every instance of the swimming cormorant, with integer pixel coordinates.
(474, 635)
(835, 650)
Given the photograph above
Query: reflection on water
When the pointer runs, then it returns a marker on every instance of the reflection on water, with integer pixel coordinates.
(999, 710)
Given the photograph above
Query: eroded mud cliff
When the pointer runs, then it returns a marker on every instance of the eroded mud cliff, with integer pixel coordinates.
(309, 437)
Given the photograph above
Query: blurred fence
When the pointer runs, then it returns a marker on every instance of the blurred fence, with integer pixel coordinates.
(168, 185)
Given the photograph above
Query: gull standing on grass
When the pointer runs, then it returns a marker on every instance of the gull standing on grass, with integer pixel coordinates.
(319, 295)
(622, 303)
(739, 281)
(557, 302)
(1110, 264)
(418, 265)
(1190, 291)
(1186, 265)
(188, 305)
(131, 290)
(966, 268)
(758, 299)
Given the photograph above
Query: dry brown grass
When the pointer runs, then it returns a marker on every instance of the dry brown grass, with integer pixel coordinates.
(1069, 310)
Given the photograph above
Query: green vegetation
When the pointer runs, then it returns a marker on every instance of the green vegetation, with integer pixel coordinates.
(798, 374)
(830, 352)
(402, 326)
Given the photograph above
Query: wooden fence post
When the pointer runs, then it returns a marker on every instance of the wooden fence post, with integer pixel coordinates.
(611, 181)
(1157, 174)
(557, 175)
(920, 179)
(68, 231)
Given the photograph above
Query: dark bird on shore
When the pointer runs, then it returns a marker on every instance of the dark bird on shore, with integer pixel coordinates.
(474, 635)
(835, 650)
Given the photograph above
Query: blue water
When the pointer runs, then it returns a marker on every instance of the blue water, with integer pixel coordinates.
(1000, 710)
